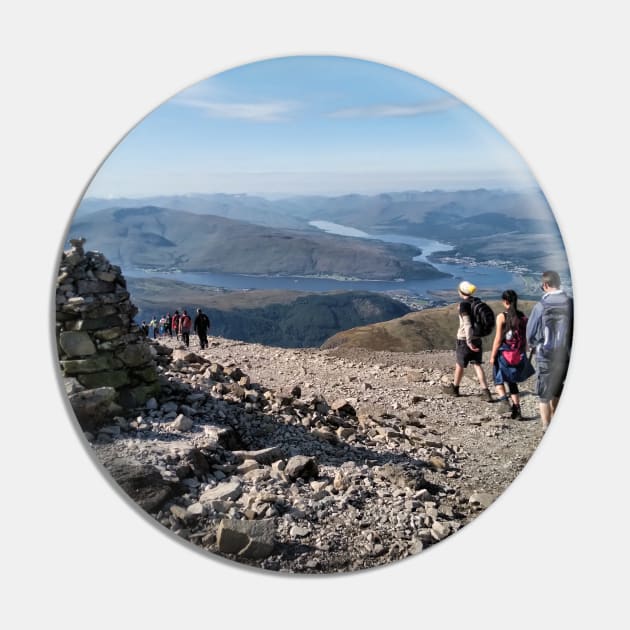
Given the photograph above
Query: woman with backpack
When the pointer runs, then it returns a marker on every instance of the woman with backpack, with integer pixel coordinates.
(508, 357)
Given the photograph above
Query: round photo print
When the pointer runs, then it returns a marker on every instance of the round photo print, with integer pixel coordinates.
(313, 315)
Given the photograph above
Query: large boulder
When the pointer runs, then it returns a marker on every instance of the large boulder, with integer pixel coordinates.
(301, 466)
(248, 539)
(95, 407)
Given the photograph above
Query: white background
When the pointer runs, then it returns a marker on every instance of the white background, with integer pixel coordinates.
(551, 76)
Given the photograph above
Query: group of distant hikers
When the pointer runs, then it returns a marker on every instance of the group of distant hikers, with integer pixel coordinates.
(547, 333)
(180, 326)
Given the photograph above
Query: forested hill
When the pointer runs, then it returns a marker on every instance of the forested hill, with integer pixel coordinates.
(277, 318)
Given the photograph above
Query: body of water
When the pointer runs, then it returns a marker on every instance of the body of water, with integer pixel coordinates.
(484, 277)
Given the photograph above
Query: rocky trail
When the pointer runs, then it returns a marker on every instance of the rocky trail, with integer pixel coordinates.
(314, 461)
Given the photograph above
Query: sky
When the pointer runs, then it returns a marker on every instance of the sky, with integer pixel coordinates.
(310, 125)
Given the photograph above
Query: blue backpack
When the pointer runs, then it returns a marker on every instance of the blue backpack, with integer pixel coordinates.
(557, 327)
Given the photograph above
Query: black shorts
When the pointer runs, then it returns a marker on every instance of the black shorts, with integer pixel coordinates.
(550, 380)
(464, 355)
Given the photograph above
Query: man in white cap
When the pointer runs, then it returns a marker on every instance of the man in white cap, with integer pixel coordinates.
(469, 350)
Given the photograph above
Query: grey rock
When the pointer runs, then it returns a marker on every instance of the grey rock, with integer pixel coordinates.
(343, 407)
(142, 482)
(182, 423)
(76, 344)
(95, 407)
(228, 490)
(440, 530)
(72, 386)
(298, 532)
(301, 466)
(262, 456)
(249, 539)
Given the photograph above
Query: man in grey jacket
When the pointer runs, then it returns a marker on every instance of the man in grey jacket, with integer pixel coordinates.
(549, 333)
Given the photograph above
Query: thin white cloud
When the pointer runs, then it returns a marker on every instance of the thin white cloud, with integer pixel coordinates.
(264, 112)
(396, 111)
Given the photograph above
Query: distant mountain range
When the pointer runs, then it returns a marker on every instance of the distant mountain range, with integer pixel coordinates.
(248, 208)
(161, 239)
(483, 224)
(371, 212)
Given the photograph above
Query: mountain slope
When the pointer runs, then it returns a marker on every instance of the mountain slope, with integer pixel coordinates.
(158, 238)
(278, 318)
(430, 329)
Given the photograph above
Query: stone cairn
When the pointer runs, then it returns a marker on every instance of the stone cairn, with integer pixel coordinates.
(106, 361)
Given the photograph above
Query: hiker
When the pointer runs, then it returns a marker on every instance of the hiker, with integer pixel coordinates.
(510, 364)
(549, 333)
(144, 328)
(468, 348)
(201, 327)
(153, 327)
(184, 327)
(175, 324)
(167, 325)
(162, 325)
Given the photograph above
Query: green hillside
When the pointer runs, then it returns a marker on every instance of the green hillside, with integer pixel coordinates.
(429, 329)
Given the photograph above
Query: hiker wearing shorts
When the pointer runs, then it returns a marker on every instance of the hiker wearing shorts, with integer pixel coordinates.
(549, 333)
(468, 347)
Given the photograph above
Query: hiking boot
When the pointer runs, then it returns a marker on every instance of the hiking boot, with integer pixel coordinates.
(516, 412)
(451, 389)
(487, 395)
(505, 406)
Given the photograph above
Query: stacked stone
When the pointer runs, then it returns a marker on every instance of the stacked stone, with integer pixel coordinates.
(106, 361)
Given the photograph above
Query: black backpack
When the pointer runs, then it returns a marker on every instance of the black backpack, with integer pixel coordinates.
(557, 326)
(482, 318)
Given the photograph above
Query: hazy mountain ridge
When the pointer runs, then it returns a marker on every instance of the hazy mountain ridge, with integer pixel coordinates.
(358, 210)
(483, 224)
(162, 239)
(249, 208)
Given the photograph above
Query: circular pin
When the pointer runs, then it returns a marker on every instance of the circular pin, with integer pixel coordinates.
(313, 315)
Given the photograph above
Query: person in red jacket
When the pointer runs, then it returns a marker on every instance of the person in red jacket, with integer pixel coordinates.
(175, 324)
(185, 324)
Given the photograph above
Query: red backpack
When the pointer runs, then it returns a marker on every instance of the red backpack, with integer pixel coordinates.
(515, 342)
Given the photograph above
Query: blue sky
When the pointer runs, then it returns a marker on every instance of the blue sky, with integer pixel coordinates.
(309, 125)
